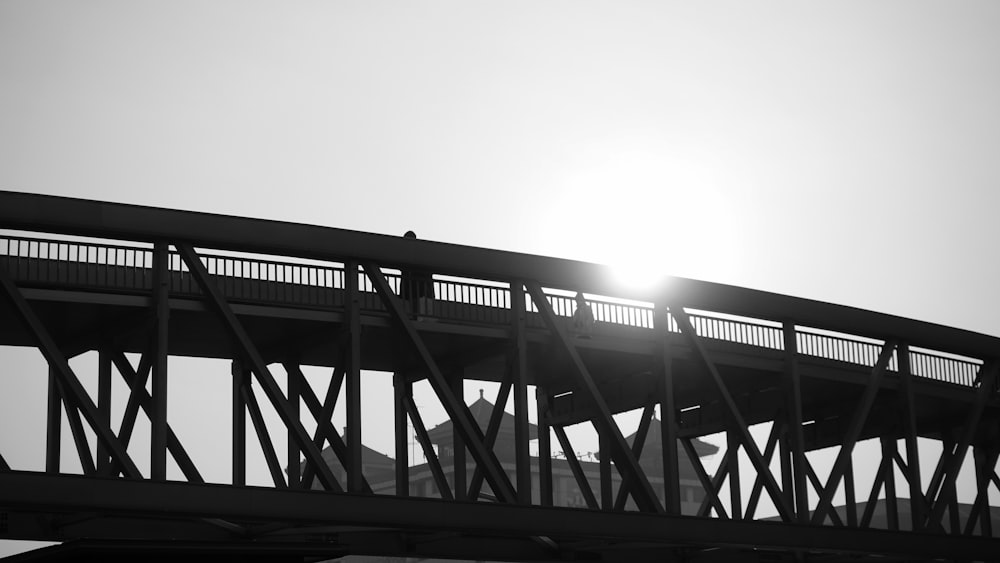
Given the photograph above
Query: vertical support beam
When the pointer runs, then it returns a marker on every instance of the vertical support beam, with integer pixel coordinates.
(241, 376)
(104, 407)
(355, 478)
(850, 495)
(53, 435)
(401, 392)
(985, 462)
(891, 503)
(735, 498)
(607, 496)
(292, 463)
(544, 448)
(668, 416)
(161, 305)
(909, 414)
(459, 483)
(793, 384)
(270, 456)
(519, 377)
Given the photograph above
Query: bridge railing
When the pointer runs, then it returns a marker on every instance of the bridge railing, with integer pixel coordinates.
(101, 265)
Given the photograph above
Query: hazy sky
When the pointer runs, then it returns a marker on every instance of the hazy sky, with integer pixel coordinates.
(841, 151)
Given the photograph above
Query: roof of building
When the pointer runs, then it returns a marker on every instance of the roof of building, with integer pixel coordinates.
(481, 411)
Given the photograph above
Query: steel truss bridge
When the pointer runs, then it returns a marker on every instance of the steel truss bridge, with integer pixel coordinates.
(83, 276)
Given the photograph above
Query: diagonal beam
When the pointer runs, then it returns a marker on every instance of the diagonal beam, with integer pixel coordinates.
(67, 378)
(139, 377)
(866, 518)
(637, 446)
(853, 432)
(642, 491)
(743, 431)
(140, 397)
(492, 430)
(4, 466)
(263, 437)
(457, 411)
(79, 436)
(260, 370)
(758, 485)
(428, 447)
(711, 492)
(325, 431)
(940, 498)
(576, 468)
(985, 461)
(817, 484)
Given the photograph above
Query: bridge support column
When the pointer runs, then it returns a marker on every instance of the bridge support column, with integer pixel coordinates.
(795, 444)
(161, 306)
(519, 379)
(544, 448)
(401, 391)
(53, 425)
(668, 415)
(240, 377)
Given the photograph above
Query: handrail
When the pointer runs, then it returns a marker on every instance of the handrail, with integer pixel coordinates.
(128, 267)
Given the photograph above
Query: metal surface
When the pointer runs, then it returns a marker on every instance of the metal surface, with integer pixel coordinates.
(715, 360)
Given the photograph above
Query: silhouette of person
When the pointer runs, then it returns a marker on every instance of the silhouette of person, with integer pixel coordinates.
(583, 317)
(417, 288)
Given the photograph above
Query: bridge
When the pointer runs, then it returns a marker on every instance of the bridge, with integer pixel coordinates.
(781, 379)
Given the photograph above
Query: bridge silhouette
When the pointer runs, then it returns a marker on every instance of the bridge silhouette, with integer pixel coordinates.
(121, 280)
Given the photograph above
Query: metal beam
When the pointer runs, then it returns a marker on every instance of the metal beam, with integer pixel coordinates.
(355, 477)
(574, 465)
(270, 456)
(640, 441)
(158, 414)
(519, 377)
(71, 387)
(987, 387)
(853, 432)
(457, 411)
(41, 492)
(643, 494)
(740, 425)
(82, 217)
(799, 492)
(256, 363)
(142, 398)
(492, 430)
(325, 431)
(668, 414)
(711, 491)
(428, 447)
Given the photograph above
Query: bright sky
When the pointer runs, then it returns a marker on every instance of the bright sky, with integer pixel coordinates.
(840, 151)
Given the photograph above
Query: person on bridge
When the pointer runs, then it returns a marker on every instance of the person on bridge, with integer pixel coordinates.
(417, 289)
(583, 317)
